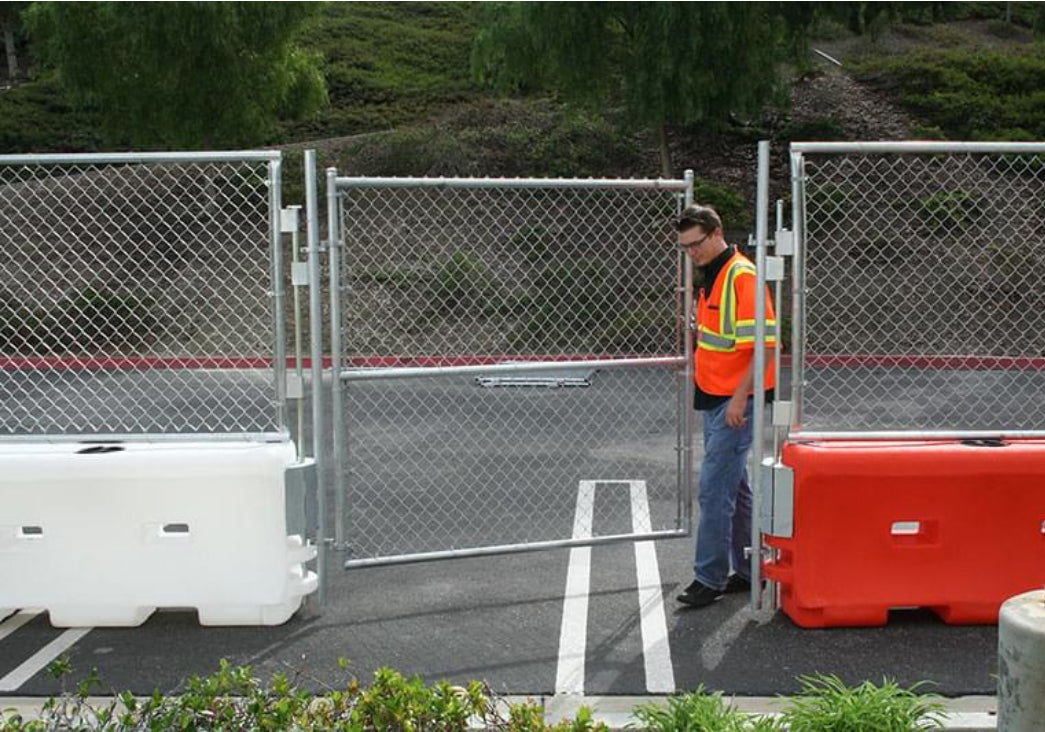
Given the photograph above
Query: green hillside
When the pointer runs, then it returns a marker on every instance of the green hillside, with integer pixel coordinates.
(403, 100)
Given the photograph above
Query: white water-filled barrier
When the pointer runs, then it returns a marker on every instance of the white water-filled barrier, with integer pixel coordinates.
(103, 534)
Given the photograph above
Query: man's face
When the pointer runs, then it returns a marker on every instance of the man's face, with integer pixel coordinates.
(698, 244)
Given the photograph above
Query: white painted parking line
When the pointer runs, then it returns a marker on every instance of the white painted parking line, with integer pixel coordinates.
(573, 635)
(39, 660)
(656, 652)
(16, 621)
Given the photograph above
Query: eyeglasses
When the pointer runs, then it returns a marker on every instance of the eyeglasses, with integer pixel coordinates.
(694, 244)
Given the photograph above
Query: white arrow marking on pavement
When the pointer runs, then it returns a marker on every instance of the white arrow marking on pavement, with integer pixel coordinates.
(573, 636)
(41, 658)
(656, 653)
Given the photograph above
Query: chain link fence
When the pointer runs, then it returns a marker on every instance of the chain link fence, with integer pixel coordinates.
(924, 296)
(441, 277)
(136, 296)
(445, 273)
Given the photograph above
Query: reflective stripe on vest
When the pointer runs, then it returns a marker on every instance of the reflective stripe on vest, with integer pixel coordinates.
(730, 331)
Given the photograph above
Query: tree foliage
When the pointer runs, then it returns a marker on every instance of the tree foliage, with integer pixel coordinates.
(182, 74)
(666, 63)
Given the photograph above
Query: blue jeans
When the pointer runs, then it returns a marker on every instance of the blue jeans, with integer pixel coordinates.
(724, 527)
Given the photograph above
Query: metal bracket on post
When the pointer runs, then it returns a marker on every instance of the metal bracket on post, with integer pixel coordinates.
(784, 243)
(778, 499)
(299, 274)
(295, 386)
(781, 414)
(288, 219)
(774, 269)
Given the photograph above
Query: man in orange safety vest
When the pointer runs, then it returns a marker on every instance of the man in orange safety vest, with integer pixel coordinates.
(724, 372)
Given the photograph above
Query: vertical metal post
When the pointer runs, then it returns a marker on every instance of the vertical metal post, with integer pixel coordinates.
(279, 350)
(337, 421)
(688, 374)
(798, 285)
(315, 324)
(778, 304)
(299, 357)
(758, 418)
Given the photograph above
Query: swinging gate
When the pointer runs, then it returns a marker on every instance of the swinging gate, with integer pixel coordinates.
(513, 373)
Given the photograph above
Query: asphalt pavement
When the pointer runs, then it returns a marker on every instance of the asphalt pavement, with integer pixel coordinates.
(501, 618)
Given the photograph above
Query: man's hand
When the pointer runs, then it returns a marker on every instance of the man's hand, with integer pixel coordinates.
(735, 410)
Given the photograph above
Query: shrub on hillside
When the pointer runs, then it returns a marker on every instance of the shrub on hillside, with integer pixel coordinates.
(731, 207)
(87, 321)
(969, 95)
(502, 140)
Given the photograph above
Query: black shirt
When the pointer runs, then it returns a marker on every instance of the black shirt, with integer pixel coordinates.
(703, 401)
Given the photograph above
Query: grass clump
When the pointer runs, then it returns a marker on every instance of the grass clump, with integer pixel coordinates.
(949, 210)
(461, 282)
(826, 704)
(700, 711)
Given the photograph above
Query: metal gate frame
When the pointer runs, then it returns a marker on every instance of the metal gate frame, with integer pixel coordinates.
(335, 185)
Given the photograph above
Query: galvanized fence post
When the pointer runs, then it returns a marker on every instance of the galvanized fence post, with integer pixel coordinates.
(315, 323)
(758, 416)
(339, 432)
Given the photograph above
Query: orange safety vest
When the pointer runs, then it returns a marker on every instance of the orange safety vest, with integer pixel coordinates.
(726, 330)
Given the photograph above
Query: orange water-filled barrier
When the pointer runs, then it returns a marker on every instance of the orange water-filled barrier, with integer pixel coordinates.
(954, 526)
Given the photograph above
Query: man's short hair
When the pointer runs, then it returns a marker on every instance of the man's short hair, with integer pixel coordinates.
(703, 216)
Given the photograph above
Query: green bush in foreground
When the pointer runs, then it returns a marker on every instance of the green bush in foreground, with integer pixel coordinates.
(701, 712)
(234, 699)
(828, 705)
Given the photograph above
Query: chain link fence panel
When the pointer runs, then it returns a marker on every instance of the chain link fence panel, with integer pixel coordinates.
(442, 276)
(136, 298)
(443, 463)
(444, 273)
(924, 296)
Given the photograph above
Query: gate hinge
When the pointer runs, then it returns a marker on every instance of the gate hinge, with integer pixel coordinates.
(778, 499)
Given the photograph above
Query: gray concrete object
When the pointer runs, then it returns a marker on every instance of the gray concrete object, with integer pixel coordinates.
(1021, 663)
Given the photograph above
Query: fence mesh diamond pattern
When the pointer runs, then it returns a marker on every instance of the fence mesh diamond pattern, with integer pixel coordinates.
(443, 276)
(128, 290)
(925, 303)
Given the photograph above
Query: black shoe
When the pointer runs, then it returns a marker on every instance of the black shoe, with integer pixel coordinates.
(699, 595)
(736, 583)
